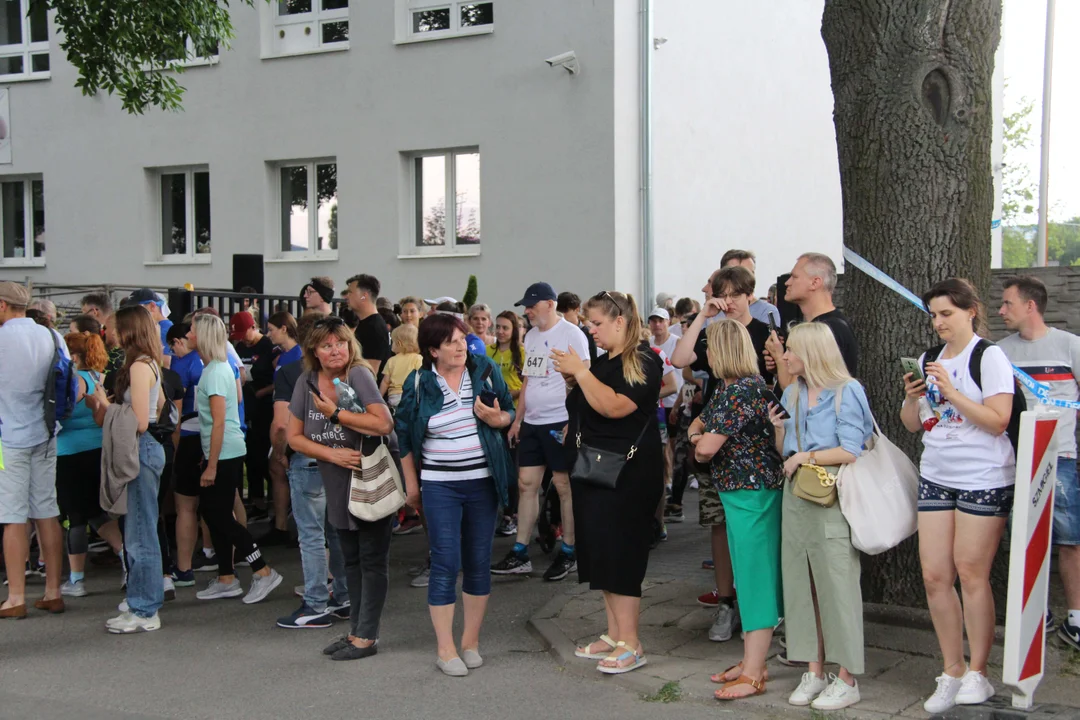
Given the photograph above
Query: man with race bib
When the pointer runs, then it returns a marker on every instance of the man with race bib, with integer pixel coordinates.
(539, 428)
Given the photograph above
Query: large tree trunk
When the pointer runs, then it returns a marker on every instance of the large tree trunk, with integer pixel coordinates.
(911, 82)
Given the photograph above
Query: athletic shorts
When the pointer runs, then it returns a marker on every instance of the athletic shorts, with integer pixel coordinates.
(710, 509)
(187, 466)
(1066, 504)
(996, 502)
(537, 447)
(28, 484)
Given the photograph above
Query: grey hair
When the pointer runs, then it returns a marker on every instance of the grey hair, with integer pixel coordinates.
(211, 337)
(45, 306)
(478, 308)
(820, 265)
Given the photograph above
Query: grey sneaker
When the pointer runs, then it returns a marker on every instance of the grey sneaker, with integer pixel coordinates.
(262, 586)
(726, 620)
(421, 580)
(73, 589)
(217, 590)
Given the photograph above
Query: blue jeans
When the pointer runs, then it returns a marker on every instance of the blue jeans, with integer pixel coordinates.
(461, 528)
(309, 512)
(1067, 503)
(145, 588)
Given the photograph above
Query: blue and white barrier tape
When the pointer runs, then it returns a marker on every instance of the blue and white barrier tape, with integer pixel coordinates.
(1038, 389)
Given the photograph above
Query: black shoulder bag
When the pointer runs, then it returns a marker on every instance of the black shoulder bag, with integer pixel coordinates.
(601, 468)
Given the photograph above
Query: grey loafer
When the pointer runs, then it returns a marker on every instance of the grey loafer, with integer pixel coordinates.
(472, 659)
(453, 667)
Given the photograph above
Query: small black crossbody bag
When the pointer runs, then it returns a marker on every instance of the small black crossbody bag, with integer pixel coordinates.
(601, 468)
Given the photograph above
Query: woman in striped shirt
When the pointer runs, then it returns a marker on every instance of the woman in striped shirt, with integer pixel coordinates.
(448, 424)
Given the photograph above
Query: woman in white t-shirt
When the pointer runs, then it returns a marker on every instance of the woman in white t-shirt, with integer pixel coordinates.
(966, 486)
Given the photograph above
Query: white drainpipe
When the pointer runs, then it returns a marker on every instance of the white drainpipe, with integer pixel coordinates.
(646, 160)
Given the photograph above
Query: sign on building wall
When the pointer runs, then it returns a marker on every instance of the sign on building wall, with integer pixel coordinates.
(5, 128)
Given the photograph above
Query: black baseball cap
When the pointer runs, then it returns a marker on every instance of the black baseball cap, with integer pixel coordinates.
(537, 292)
(143, 296)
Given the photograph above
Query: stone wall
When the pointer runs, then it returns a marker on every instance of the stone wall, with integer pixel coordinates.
(1062, 307)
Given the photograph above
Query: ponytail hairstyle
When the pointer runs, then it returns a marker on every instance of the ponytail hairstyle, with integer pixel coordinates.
(961, 293)
(90, 349)
(615, 305)
(517, 356)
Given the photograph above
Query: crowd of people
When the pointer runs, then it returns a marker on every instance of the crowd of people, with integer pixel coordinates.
(178, 438)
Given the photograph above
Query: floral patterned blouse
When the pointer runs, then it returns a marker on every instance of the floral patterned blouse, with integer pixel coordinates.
(748, 460)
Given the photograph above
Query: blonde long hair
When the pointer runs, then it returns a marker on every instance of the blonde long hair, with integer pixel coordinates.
(211, 337)
(823, 365)
(615, 305)
(731, 351)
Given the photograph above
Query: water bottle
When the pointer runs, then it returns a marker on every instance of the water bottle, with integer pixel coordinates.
(346, 397)
(558, 435)
(927, 416)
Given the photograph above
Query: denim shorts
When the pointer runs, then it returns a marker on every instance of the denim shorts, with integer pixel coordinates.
(1066, 504)
(996, 502)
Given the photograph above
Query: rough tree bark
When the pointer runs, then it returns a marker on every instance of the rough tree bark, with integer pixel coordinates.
(911, 83)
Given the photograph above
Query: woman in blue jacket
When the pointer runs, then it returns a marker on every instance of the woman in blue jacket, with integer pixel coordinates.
(448, 425)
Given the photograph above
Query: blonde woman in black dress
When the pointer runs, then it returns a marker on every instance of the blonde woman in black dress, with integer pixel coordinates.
(613, 407)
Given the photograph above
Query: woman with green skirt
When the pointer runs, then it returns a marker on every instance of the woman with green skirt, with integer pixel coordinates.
(829, 426)
(736, 439)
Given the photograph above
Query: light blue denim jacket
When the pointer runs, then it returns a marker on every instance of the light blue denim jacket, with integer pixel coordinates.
(820, 427)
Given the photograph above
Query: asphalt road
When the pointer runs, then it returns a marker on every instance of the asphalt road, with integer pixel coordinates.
(224, 659)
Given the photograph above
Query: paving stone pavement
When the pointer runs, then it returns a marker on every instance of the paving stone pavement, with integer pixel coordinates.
(901, 656)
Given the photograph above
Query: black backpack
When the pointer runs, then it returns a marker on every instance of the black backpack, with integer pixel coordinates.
(163, 428)
(1019, 401)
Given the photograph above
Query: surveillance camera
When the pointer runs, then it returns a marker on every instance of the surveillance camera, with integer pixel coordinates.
(566, 60)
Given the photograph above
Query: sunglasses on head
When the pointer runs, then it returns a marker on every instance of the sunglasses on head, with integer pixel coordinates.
(609, 296)
(329, 322)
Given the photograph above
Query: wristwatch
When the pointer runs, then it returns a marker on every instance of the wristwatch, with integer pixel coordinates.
(813, 461)
(334, 417)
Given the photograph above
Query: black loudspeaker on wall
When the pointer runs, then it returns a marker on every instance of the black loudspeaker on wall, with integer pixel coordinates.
(247, 271)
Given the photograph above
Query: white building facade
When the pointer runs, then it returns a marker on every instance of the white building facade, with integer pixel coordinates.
(424, 141)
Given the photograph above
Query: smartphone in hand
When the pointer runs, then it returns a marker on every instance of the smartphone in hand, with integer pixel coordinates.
(770, 396)
(911, 365)
(314, 387)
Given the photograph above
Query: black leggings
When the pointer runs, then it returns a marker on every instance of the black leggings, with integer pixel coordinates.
(366, 551)
(78, 485)
(216, 506)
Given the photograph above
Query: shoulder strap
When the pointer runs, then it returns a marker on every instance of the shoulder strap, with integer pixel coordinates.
(798, 429)
(975, 361)
(931, 354)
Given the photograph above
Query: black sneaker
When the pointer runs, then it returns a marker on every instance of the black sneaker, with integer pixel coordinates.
(340, 610)
(340, 643)
(1070, 634)
(512, 564)
(201, 563)
(275, 537)
(674, 514)
(304, 618)
(507, 527)
(564, 564)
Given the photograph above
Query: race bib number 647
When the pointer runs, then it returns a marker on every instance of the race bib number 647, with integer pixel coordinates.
(535, 365)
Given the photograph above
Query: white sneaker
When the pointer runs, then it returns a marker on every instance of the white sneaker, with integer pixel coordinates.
(422, 579)
(262, 586)
(945, 695)
(974, 689)
(131, 623)
(837, 696)
(727, 619)
(809, 688)
(73, 589)
(216, 590)
(169, 587)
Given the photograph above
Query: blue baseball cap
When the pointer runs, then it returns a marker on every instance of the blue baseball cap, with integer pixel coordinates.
(537, 292)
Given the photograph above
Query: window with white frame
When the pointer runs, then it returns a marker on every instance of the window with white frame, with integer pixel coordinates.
(310, 25)
(184, 204)
(446, 201)
(419, 20)
(24, 39)
(22, 219)
(192, 56)
(308, 207)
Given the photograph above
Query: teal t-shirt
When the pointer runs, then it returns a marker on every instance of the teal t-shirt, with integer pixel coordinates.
(218, 379)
